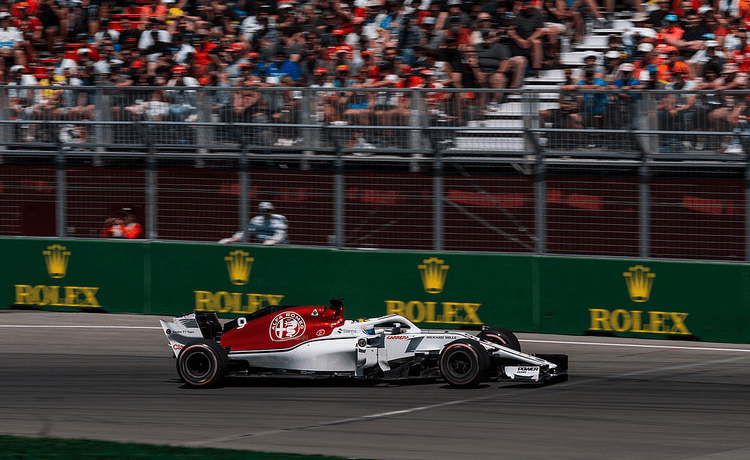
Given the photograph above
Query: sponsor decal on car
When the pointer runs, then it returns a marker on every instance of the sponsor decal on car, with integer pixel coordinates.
(522, 372)
(287, 325)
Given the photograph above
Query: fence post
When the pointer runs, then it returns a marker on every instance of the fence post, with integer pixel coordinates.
(205, 132)
(151, 195)
(6, 130)
(338, 199)
(437, 201)
(643, 207)
(244, 188)
(540, 205)
(415, 135)
(61, 195)
(308, 115)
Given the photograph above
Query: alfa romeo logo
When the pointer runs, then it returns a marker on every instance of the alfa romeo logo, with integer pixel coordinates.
(286, 326)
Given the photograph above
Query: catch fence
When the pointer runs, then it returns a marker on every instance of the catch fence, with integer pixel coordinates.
(391, 168)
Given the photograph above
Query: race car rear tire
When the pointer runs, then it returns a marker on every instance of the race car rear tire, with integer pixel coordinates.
(202, 363)
(464, 363)
(500, 336)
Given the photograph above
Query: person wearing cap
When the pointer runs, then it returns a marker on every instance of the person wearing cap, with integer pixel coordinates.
(234, 56)
(625, 112)
(182, 102)
(693, 37)
(708, 116)
(590, 59)
(433, 38)
(21, 101)
(566, 116)
(593, 101)
(711, 53)
(11, 41)
(612, 61)
(730, 79)
(455, 19)
(106, 33)
(675, 111)
(670, 64)
(656, 17)
(266, 228)
(646, 63)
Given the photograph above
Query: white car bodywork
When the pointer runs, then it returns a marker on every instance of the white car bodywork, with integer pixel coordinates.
(373, 348)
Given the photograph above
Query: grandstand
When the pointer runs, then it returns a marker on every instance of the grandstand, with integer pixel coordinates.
(394, 162)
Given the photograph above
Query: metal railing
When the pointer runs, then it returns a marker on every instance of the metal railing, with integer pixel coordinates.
(405, 169)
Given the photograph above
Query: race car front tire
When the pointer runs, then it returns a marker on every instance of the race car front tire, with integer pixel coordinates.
(500, 336)
(464, 363)
(202, 363)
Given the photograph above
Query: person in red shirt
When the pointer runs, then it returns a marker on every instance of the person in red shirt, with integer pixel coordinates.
(122, 226)
(32, 30)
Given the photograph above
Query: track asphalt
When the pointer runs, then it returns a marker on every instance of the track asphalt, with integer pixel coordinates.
(112, 377)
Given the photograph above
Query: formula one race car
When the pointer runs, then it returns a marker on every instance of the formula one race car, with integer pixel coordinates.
(316, 341)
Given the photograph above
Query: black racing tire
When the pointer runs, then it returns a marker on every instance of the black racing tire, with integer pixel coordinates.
(202, 364)
(464, 363)
(500, 336)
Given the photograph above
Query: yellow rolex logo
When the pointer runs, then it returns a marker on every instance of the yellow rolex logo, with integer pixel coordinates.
(639, 281)
(239, 264)
(56, 257)
(433, 275)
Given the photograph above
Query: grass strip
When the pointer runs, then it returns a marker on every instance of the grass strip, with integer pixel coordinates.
(20, 448)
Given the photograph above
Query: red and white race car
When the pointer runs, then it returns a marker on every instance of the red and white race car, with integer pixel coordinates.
(316, 341)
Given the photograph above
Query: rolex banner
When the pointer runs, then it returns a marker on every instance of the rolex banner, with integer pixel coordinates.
(650, 299)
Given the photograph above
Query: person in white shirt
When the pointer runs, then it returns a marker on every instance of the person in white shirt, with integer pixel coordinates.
(11, 39)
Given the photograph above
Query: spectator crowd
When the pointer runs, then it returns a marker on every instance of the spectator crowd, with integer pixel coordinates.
(377, 44)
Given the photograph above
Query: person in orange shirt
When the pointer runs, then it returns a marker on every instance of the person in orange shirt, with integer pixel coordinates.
(669, 66)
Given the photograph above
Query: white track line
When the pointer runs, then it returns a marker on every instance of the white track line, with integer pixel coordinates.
(636, 345)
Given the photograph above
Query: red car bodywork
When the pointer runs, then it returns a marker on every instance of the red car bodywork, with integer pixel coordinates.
(282, 328)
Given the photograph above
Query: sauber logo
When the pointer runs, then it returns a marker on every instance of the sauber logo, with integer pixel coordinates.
(286, 326)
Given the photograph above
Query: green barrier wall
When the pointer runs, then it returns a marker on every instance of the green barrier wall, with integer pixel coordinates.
(649, 299)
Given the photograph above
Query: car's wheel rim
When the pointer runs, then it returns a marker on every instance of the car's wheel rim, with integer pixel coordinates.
(460, 364)
(198, 365)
